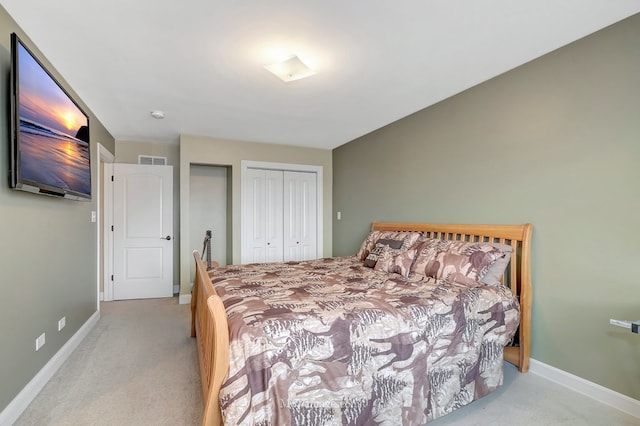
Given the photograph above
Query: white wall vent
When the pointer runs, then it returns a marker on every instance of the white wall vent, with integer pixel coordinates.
(152, 160)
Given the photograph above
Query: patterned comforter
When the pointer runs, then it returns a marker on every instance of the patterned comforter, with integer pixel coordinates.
(331, 342)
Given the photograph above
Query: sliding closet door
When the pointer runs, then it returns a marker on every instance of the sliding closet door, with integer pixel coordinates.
(264, 224)
(300, 216)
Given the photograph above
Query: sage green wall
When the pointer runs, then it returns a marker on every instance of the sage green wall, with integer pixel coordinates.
(48, 252)
(128, 151)
(230, 153)
(555, 142)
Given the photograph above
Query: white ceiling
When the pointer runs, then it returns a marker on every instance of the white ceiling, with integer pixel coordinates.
(201, 61)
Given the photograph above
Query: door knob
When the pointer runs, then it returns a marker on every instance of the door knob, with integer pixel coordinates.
(168, 238)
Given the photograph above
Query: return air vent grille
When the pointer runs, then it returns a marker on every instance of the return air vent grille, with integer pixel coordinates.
(152, 160)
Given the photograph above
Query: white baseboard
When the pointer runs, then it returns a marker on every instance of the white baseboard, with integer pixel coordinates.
(102, 296)
(592, 390)
(176, 288)
(20, 403)
(184, 299)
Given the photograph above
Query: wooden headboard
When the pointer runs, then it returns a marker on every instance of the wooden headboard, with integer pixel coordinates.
(517, 276)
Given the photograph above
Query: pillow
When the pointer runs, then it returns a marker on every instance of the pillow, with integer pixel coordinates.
(496, 270)
(407, 238)
(382, 245)
(367, 245)
(455, 261)
(396, 261)
(426, 251)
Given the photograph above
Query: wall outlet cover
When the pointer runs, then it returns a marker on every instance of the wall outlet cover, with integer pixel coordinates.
(40, 341)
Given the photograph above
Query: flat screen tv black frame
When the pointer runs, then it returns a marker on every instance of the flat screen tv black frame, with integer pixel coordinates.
(49, 132)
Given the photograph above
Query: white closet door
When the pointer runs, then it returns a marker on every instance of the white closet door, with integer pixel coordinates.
(300, 217)
(264, 232)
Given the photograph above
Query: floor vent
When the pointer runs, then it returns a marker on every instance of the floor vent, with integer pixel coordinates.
(152, 160)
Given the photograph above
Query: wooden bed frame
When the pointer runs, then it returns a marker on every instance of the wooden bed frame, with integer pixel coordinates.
(209, 320)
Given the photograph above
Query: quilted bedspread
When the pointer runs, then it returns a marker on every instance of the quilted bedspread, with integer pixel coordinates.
(331, 342)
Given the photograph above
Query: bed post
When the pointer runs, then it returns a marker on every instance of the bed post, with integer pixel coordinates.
(526, 299)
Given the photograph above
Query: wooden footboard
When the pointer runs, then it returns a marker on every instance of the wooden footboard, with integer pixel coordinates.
(209, 327)
(517, 276)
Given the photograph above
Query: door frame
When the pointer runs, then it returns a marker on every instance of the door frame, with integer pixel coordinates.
(105, 213)
(318, 170)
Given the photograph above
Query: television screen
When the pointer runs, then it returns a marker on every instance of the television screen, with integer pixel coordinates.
(50, 133)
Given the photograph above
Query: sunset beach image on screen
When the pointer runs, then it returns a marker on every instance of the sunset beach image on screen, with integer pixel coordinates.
(54, 137)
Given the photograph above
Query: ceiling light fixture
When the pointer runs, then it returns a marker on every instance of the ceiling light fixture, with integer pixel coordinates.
(159, 115)
(290, 69)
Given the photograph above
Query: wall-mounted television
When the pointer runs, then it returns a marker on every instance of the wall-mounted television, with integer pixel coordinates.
(49, 140)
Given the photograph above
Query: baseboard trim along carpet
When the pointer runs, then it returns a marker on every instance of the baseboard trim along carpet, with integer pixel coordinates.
(184, 299)
(592, 390)
(20, 403)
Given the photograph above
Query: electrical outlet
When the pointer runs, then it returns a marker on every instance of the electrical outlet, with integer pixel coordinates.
(40, 341)
(62, 323)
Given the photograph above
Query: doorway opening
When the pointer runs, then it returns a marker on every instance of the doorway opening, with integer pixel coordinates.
(210, 210)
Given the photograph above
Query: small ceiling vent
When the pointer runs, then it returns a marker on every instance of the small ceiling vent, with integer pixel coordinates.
(152, 160)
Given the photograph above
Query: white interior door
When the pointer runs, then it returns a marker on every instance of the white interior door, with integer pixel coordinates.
(281, 212)
(263, 228)
(300, 218)
(143, 231)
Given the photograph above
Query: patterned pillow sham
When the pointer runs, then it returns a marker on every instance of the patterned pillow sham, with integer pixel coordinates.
(407, 238)
(455, 261)
(381, 247)
(496, 270)
(396, 261)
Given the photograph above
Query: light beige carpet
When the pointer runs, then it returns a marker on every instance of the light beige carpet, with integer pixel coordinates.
(530, 400)
(138, 366)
